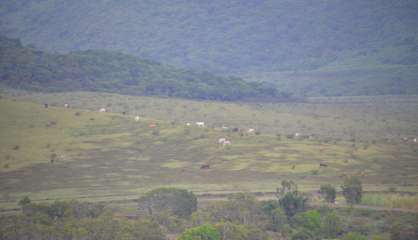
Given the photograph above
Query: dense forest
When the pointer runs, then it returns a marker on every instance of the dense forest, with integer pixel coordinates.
(222, 36)
(94, 70)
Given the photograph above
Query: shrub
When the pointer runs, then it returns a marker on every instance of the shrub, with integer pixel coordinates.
(328, 192)
(354, 236)
(232, 231)
(352, 190)
(205, 232)
(330, 225)
(179, 202)
(310, 220)
(290, 199)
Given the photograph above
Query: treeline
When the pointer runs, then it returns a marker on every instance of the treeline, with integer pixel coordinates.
(95, 70)
(173, 211)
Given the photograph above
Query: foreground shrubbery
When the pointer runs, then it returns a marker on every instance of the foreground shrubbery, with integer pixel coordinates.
(242, 217)
(74, 220)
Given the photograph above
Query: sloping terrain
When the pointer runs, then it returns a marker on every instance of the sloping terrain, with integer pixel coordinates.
(217, 35)
(57, 153)
(27, 68)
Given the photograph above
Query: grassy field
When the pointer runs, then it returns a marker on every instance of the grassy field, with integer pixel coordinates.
(109, 156)
(363, 118)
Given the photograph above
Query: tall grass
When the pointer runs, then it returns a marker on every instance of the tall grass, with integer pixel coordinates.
(391, 200)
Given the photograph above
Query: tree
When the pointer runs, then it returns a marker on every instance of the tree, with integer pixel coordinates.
(179, 202)
(290, 199)
(329, 192)
(352, 190)
(204, 232)
(330, 225)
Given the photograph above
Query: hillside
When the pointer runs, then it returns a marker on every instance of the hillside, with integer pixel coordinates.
(222, 36)
(94, 70)
(60, 153)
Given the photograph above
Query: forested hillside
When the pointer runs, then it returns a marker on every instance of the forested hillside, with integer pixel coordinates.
(223, 36)
(94, 70)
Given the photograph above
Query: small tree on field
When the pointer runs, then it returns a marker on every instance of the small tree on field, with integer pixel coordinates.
(290, 199)
(329, 192)
(352, 190)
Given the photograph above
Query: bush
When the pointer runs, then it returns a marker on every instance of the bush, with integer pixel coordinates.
(330, 225)
(354, 236)
(310, 220)
(302, 234)
(290, 199)
(328, 192)
(179, 202)
(352, 190)
(232, 231)
(205, 232)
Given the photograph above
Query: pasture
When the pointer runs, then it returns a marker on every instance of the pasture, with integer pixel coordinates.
(109, 156)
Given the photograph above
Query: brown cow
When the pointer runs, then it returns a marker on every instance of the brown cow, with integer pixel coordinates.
(205, 166)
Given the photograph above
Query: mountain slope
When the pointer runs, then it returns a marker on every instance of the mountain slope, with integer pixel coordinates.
(27, 68)
(215, 35)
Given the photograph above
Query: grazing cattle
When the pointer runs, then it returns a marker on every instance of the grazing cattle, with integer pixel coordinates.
(251, 130)
(221, 140)
(102, 110)
(46, 105)
(123, 113)
(200, 124)
(224, 127)
(136, 118)
(323, 165)
(226, 143)
(297, 135)
(152, 125)
(188, 124)
(67, 105)
(415, 140)
(235, 129)
(205, 166)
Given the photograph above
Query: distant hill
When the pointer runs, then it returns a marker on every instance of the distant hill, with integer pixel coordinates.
(222, 36)
(28, 68)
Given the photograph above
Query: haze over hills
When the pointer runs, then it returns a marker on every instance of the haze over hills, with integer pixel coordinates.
(225, 36)
(306, 48)
(94, 70)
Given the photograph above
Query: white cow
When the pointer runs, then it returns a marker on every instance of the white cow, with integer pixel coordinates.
(188, 124)
(200, 124)
(102, 110)
(226, 143)
(415, 140)
(251, 130)
(297, 134)
(66, 105)
(136, 118)
(221, 140)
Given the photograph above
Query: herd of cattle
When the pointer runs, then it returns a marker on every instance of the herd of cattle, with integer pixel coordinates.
(224, 142)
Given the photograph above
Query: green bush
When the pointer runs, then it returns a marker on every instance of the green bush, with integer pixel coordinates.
(331, 225)
(310, 220)
(352, 190)
(329, 192)
(232, 231)
(354, 236)
(179, 202)
(205, 232)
